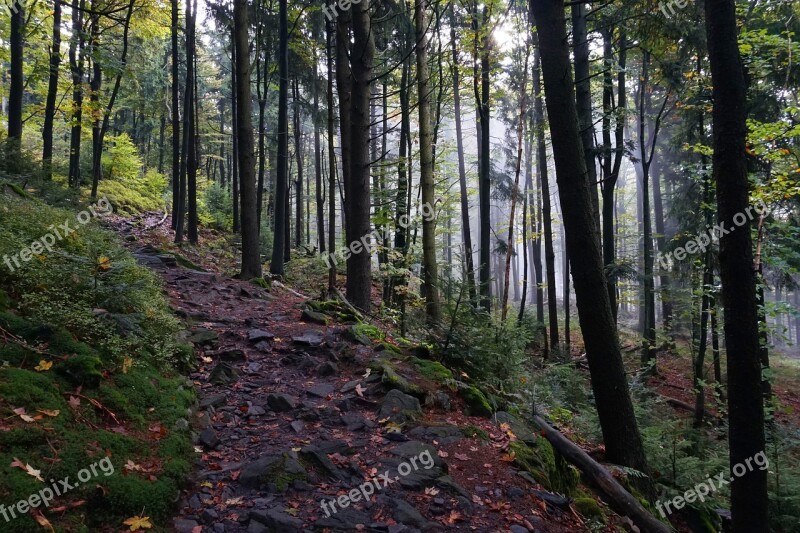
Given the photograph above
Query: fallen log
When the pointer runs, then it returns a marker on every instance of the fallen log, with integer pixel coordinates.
(621, 499)
(674, 402)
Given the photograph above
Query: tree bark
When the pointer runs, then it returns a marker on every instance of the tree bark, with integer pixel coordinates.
(614, 407)
(17, 86)
(282, 177)
(52, 93)
(749, 502)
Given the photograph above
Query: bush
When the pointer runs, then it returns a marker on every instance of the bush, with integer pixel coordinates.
(126, 187)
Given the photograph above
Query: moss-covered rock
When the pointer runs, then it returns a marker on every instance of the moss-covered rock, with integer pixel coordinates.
(546, 466)
(365, 334)
(392, 379)
(261, 282)
(477, 403)
(82, 370)
(588, 507)
(432, 370)
(335, 309)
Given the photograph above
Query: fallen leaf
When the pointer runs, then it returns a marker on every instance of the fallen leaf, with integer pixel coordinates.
(74, 402)
(48, 412)
(138, 522)
(42, 521)
(443, 454)
(16, 463)
(461, 457)
(43, 366)
(127, 363)
(103, 264)
(360, 390)
(430, 491)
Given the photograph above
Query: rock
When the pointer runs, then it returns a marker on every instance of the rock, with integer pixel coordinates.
(515, 493)
(254, 367)
(182, 525)
(209, 516)
(399, 407)
(311, 337)
(258, 335)
(297, 426)
(442, 400)
(522, 432)
(281, 403)
(353, 422)
(263, 346)
(276, 519)
(181, 424)
(405, 513)
(273, 472)
(515, 528)
(328, 369)
(256, 410)
(347, 519)
(168, 260)
(203, 336)
(477, 403)
(441, 434)
(314, 317)
(223, 374)
(350, 386)
(231, 356)
(215, 400)
(321, 390)
(208, 438)
(318, 457)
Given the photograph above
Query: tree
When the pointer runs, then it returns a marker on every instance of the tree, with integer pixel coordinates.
(282, 177)
(749, 501)
(52, 93)
(176, 114)
(357, 186)
(251, 253)
(16, 90)
(76, 61)
(614, 407)
(430, 274)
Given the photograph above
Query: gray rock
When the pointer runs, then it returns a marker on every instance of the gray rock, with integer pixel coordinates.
(181, 424)
(276, 519)
(441, 434)
(208, 438)
(215, 400)
(321, 390)
(274, 472)
(223, 374)
(347, 519)
(258, 335)
(350, 386)
(281, 402)
(328, 369)
(311, 337)
(182, 525)
(518, 427)
(515, 528)
(297, 426)
(232, 356)
(407, 514)
(399, 407)
(209, 516)
(314, 317)
(203, 336)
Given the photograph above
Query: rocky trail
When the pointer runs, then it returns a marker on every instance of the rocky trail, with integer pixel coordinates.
(296, 409)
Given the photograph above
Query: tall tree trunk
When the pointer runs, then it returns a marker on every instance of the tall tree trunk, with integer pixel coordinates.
(544, 187)
(282, 178)
(430, 275)
(17, 87)
(749, 502)
(466, 232)
(484, 162)
(176, 114)
(523, 100)
(52, 93)
(331, 44)
(192, 162)
(251, 253)
(298, 152)
(403, 186)
(76, 61)
(318, 158)
(614, 407)
(359, 276)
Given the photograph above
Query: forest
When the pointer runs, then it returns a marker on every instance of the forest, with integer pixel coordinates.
(340, 265)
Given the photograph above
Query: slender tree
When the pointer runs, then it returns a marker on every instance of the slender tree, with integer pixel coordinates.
(281, 182)
(52, 93)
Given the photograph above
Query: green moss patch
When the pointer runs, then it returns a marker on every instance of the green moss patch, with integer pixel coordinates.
(477, 403)
(546, 466)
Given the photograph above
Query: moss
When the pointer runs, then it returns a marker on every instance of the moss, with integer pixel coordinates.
(186, 263)
(548, 468)
(475, 432)
(19, 191)
(433, 370)
(335, 309)
(82, 370)
(389, 348)
(261, 282)
(589, 508)
(393, 380)
(477, 404)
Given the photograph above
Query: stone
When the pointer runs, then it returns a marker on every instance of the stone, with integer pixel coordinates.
(208, 438)
(441, 434)
(281, 403)
(399, 407)
(350, 386)
(347, 519)
(297, 426)
(311, 337)
(321, 390)
(405, 513)
(520, 430)
(328, 369)
(353, 422)
(274, 472)
(223, 374)
(314, 317)
(215, 400)
(209, 516)
(203, 336)
(182, 525)
(232, 356)
(278, 520)
(258, 335)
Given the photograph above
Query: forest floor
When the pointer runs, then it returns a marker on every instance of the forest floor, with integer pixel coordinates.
(291, 415)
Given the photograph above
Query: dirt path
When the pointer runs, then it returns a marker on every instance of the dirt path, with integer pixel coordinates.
(290, 418)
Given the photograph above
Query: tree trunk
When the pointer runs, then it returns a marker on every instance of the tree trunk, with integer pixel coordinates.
(484, 164)
(52, 93)
(17, 86)
(318, 159)
(359, 271)
(430, 274)
(176, 115)
(298, 152)
(76, 60)
(282, 177)
(331, 40)
(745, 400)
(544, 187)
(614, 407)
